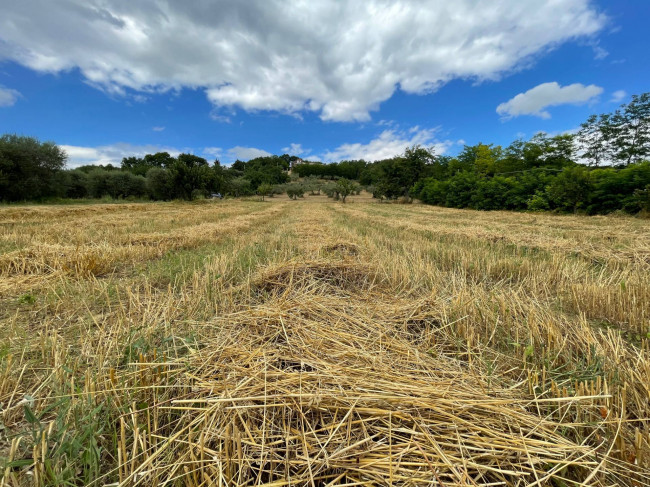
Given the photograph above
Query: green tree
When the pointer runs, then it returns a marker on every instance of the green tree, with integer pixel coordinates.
(116, 184)
(159, 184)
(632, 130)
(73, 184)
(190, 176)
(295, 191)
(482, 157)
(240, 186)
(538, 202)
(642, 199)
(493, 193)
(265, 189)
(220, 178)
(461, 189)
(141, 166)
(313, 185)
(345, 188)
(98, 184)
(569, 191)
(397, 176)
(28, 167)
(331, 190)
(413, 166)
(594, 138)
(268, 169)
(557, 151)
(615, 188)
(434, 191)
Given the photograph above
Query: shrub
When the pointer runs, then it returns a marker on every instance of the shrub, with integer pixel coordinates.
(538, 202)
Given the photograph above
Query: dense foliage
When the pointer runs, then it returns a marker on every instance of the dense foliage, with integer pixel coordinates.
(601, 169)
(33, 170)
(343, 169)
(29, 169)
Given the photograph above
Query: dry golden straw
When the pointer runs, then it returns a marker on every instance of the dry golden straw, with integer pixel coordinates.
(314, 343)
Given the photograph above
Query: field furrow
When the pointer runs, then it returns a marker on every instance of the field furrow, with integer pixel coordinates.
(317, 343)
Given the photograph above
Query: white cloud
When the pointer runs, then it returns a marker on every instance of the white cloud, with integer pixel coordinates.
(8, 97)
(218, 117)
(212, 151)
(295, 150)
(537, 99)
(158, 129)
(245, 153)
(388, 144)
(553, 133)
(618, 96)
(113, 154)
(600, 53)
(338, 59)
(110, 154)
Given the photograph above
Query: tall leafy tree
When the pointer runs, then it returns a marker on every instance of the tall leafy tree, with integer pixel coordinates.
(220, 178)
(558, 151)
(159, 184)
(397, 176)
(487, 157)
(140, 165)
(594, 140)
(28, 167)
(190, 176)
(632, 130)
(72, 184)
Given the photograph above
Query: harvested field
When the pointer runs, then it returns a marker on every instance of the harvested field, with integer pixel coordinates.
(317, 343)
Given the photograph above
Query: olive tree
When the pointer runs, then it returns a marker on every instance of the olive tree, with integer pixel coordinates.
(345, 187)
(295, 191)
(265, 189)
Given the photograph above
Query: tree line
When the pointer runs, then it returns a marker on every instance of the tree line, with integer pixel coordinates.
(600, 169)
(31, 170)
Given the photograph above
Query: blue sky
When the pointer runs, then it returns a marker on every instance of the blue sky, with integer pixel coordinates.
(322, 80)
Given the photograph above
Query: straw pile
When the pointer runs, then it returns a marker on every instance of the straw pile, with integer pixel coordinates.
(309, 387)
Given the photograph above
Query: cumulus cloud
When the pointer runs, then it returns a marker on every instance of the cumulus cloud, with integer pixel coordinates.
(158, 129)
(337, 59)
(113, 154)
(388, 144)
(537, 99)
(295, 150)
(110, 154)
(8, 97)
(212, 151)
(618, 96)
(245, 153)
